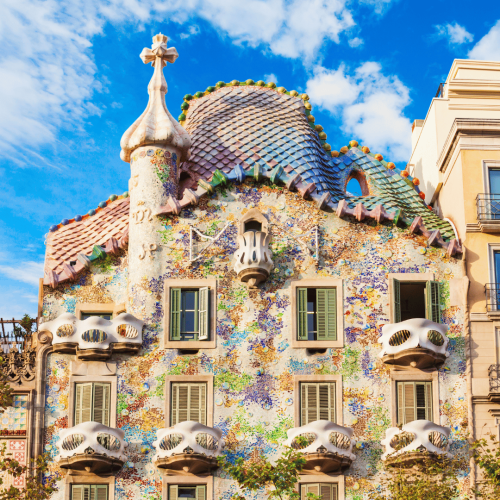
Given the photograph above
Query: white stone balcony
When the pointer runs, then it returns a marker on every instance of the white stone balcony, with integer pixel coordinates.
(188, 448)
(92, 447)
(252, 260)
(415, 442)
(327, 447)
(95, 338)
(416, 342)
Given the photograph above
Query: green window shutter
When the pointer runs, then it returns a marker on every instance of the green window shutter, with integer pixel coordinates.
(173, 492)
(317, 402)
(189, 402)
(414, 401)
(83, 403)
(326, 311)
(433, 311)
(396, 301)
(175, 314)
(302, 313)
(201, 492)
(102, 393)
(204, 313)
(77, 492)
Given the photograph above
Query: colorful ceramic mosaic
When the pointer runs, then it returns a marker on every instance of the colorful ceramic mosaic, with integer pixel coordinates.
(14, 420)
(254, 364)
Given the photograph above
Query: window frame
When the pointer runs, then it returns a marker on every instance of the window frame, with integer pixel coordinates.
(405, 277)
(110, 308)
(187, 486)
(312, 379)
(400, 383)
(93, 397)
(414, 375)
(105, 379)
(211, 342)
(188, 379)
(338, 480)
(324, 283)
(89, 478)
(333, 404)
(90, 485)
(208, 481)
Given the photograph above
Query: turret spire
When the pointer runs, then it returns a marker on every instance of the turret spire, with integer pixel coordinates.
(156, 125)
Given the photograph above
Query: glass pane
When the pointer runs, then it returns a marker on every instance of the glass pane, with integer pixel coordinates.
(310, 306)
(188, 321)
(310, 323)
(99, 315)
(186, 492)
(494, 180)
(189, 300)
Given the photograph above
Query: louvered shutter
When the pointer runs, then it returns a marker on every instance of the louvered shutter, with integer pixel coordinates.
(428, 401)
(326, 311)
(311, 488)
(302, 313)
(77, 492)
(101, 403)
(201, 492)
(204, 313)
(101, 492)
(189, 403)
(317, 402)
(433, 311)
(335, 492)
(83, 403)
(396, 301)
(175, 313)
(326, 491)
(400, 402)
(173, 493)
(414, 401)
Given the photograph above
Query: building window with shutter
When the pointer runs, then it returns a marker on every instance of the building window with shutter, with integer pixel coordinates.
(317, 402)
(92, 402)
(189, 314)
(189, 402)
(414, 401)
(416, 299)
(194, 492)
(317, 314)
(324, 490)
(89, 492)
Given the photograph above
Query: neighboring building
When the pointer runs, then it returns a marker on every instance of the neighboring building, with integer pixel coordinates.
(236, 297)
(456, 155)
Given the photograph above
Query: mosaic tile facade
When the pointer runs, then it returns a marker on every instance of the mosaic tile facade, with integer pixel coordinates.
(14, 420)
(254, 365)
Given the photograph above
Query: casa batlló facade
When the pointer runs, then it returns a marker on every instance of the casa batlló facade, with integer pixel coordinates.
(236, 298)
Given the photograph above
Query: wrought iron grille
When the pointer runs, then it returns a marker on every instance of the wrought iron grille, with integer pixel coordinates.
(488, 206)
(492, 291)
(12, 335)
(494, 376)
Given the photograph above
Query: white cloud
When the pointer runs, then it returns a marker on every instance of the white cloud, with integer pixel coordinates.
(355, 42)
(270, 77)
(47, 70)
(488, 48)
(191, 31)
(369, 105)
(26, 272)
(453, 33)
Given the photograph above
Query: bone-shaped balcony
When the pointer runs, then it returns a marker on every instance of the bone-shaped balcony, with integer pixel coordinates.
(327, 447)
(252, 260)
(92, 447)
(95, 338)
(416, 442)
(188, 448)
(416, 342)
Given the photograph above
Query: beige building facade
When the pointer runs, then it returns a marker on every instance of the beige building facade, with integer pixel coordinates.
(456, 156)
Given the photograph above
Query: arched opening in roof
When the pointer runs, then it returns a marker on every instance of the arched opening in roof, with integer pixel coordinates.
(356, 184)
(185, 181)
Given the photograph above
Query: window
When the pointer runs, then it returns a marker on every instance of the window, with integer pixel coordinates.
(253, 225)
(197, 492)
(89, 492)
(189, 313)
(416, 300)
(324, 490)
(414, 401)
(317, 313)
(104, 315)
(317, 402)
(92, 402)
(189, 402)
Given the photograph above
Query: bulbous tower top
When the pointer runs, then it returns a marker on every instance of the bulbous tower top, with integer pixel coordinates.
(156, 125)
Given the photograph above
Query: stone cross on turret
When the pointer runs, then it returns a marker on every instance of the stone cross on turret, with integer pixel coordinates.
(154, 144)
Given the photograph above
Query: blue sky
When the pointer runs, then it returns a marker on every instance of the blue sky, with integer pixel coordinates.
(71, 82)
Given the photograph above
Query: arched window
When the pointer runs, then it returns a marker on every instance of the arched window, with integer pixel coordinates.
(356, 184)
(253, 225)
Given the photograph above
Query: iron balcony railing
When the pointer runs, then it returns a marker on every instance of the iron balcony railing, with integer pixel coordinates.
(488, 206)
(494, 376)
(492, 291)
